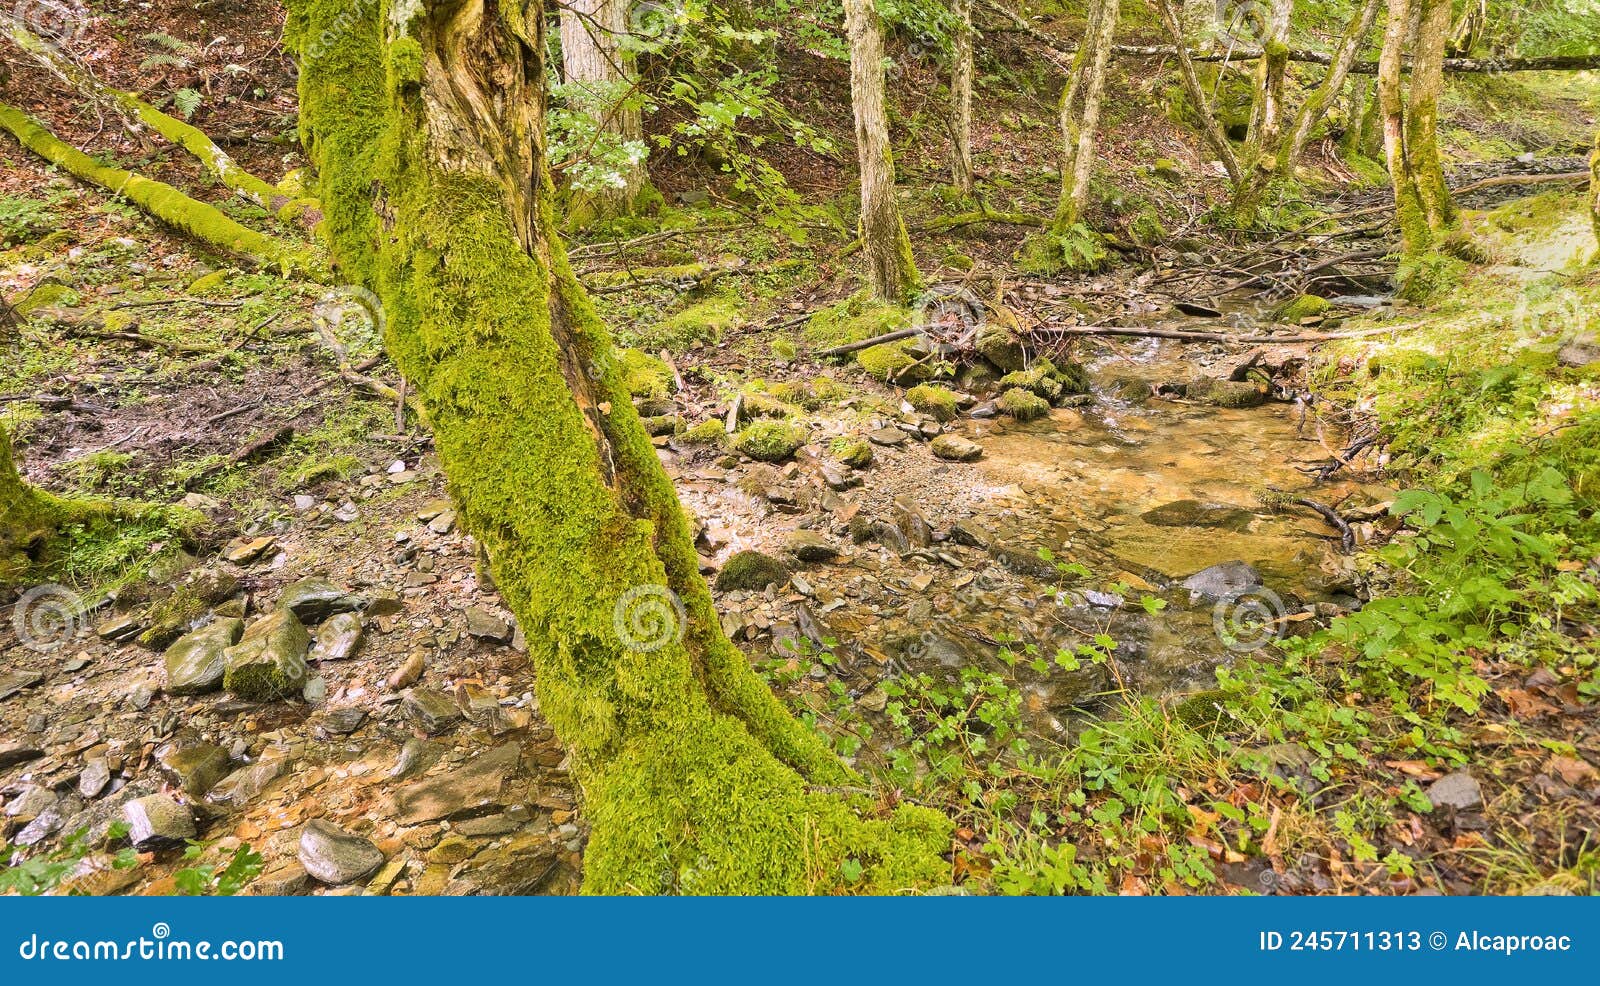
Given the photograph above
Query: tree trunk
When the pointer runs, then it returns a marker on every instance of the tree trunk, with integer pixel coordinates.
(1080, 111)
(425, 120)
(1410, 121)
(1355, 38)
(1415, 235)
(891, 267)
(961, 99)
(27, 518)
(1594, 193)
(600, 78)
(1259, 159)
(1209, 128)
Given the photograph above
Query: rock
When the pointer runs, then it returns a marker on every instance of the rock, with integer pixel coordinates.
(875, 700)
(142, 695)
(12, 754)
(1224, 393)
(971, 533)
(243, 552)
(338, 639)
(94, 778)
(157, 822)
(246, 784)
(269, 661)
(315, 690)
(182, 607)
(119, 628)
(345, 719)
(954, 448)
(889, 536)
(1194, 513)
(314, 600)
(474, 788)
(16, 681)
(751, 570)
(1459, 790)
(408, 673)
(1001, 347)
(485, 624)
(385, 602)
(334, 856)
(416, 756)
(31, 803)
(1022, 405)
(1024, 561)
(46, 824)
(1221, 581)
(430, 709)
(195, 769)
(195, 663)
(1580, 351)
(909, 519)
(854, 453)
(810, 546)
(284, 880)
(890, 437)
(984, 410)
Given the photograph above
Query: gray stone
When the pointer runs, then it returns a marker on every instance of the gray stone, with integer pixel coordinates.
(195, 769)
(346, 719)
(314, 600)
(334, 856)
(475, 788)
(386, 602)
(269, 661)
(283, 880)
(16, 681)
(430, 709)
(338, 639)
(890, 436)
(971, 533)
(94, 778)
(416, 756)
(1221, 581)
(1024, 561)
(34, 800)
(1459, 790)
(246, 784)
(195, 663)
(158, 822)
(1194, 513)
(810, 546)
(12, 754)
(954, 448)
(485, 624)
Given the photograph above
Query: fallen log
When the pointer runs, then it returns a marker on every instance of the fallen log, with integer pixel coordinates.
(1224, 337)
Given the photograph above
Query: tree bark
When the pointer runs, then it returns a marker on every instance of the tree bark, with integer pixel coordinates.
(1594, 193)
(695, 779)
(1209, 129)
(27, 518)
(601, 74)
(1410, 114)
(891, 267)
(1323, 96)
(961, 99)
(1258, 161)
(1081, 102)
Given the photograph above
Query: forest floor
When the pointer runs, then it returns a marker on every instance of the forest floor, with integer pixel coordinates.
(1015, 639)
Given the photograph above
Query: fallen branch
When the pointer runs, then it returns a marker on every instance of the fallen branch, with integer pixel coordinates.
(1347, 537)
(1578, 176)
(1226, 337)
(851, 347)
(248, 452)
(161, 201)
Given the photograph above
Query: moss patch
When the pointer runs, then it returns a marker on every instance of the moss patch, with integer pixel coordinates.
(751, 570)
(854, 319)
(1023, 405)
(933, 400)
(770, 441)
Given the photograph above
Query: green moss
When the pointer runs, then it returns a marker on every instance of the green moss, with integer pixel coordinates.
(1302, 307)
(704, 322)
(934, 401)
(854, 319)
(1429, 275)
(812, 394)
(751, 570)
(1046, 380)
(645, 375)
(892, 362)
(709, 432)
(853, 452)
(770, 441)
(207, 283)
(49, 294)
(1023, 405)
(662, 424)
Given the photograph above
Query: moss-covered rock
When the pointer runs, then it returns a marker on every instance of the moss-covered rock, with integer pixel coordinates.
(933, 400)
(853, 452)
(892, 362)
(751, 570)
(1076, 249)
(1224, 393)
(1303, 307)
(709, 432)
(269, 661)
(770, 441)
(645, 375)
(1046, 380)
(1001, 347)
(185, 603)
(703, 322)
(662, 424)
(1023, 405)
(854, 319)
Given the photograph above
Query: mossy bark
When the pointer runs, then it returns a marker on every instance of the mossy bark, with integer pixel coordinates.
(1081, 101)
(1196, 92)
(28, 518)
(425, 120)
(1594, 193)
(204, 223)
(1259, 159)
(1410, 114)
(961, 98)
(891, 266)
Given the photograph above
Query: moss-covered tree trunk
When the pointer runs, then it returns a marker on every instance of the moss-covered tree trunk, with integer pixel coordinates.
(891, 267)
(1594, 193)
(1259, 159)
(961, 98)
(1323, 97)
(1410, 115)
(1081, 102)
(425, 120)
(599, 77)
(27, 517)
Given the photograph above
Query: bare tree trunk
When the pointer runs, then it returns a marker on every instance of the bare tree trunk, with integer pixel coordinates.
(1081, 102)
(1332, 85)
(961, 99)
(1259, 158)
(695, 779)
(1594, 193)
(601, 74)
(891, 267)
(1415, 235)
(1209, 128)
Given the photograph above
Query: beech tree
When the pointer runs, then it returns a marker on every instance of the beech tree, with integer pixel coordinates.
(598, 73)
(891, 266)
(425, 121)
(961, 98)
(1081, 101)
(1410, 111)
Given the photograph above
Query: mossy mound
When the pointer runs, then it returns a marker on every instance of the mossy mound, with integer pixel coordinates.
(853, 452)
(933, 400)
(892, 362)
(1046, 380)
(1224, 393)
(1417, 279)
(751, 570)
(704, 322)
(854, 319)
(645, 375)
(811, 394)
(1022, 405)
(662, 424)
(705, 433)
(1002, 349)
(1303, 307)
(770, 441)
(1077, 249)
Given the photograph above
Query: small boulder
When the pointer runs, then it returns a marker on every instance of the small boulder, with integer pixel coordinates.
(269, 661)
(195, 769)
(1221, 581)
(195, 663)
(954, 448)
(157, 822)
(430, 709)
(338, 639)
(810, 546)
(1194, 513)
(334, 856)
(751, 570)
(485, 624)
(314, 600)
(1459, 790)
(246, 784)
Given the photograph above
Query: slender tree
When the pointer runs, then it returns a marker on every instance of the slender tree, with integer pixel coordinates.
(425, 121)
(599, 75)
(1594, 192)
(1410, 116)
(1321, 98)
(1081, 102)
(891, 266)
(961, 98)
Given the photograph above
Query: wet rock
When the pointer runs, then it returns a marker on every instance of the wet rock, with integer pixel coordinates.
(954, 448)
(94, 778)
(269, 661)
(751, 570)
(16, 681)
(430, 710)
(157, 822)
(314, 600)
(1001, 347)
(408, 673)
(334, 856)
(474, 788)
(185, 604)
(338, 638)
(195, 769)
(809, 546)
(888, 535)
(119, 628)
(984, 410)
(485, 624)
(246, 784)
(1221, 581)
(909, 518)
(12, 754)
(195, 663)
(1194, 513)
(1459, 790)
(889, 437)
(1023, 561)
(344, 720)
(284, 880)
